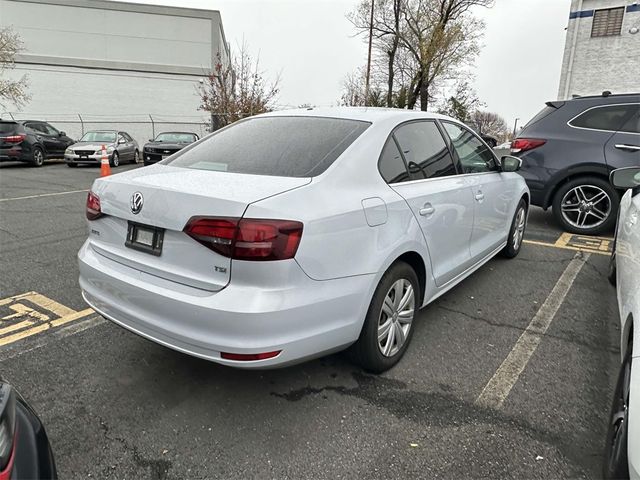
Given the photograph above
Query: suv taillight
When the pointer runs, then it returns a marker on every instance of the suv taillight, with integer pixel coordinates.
(14, 138)
(7, 430)
(247, 238)
(93, 206)
(520, 145)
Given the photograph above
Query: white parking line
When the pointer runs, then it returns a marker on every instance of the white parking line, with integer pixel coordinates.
(496, 391)
(43, 195)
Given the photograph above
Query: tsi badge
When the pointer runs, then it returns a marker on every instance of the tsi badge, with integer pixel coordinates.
(137, 201)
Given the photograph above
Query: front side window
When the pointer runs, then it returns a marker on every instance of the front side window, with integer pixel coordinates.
(474, 155)
(424, 150)
(49, 130)
(121, 139)
(611, 118)
(278, 146)
(391, 165)
(607, 22)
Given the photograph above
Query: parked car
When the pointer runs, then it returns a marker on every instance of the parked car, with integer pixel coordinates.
(31, 141)
(293, 234)
(25, 453)
(622, 454)
(489, 140)
(568, 151)
(120, 147)
(503, 146)
(165, 144)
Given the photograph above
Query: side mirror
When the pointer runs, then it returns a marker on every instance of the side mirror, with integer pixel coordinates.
(62, 134)
(625, 178)
(122, 141)
(510, 164)
(151, 139)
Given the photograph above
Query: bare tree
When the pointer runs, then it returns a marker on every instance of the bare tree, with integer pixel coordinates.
(354, 92)
(236, 89)
(11, 91)
(489, 123)
(462, 104)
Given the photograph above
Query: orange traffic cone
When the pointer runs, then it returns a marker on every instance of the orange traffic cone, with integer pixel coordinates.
(105, 169)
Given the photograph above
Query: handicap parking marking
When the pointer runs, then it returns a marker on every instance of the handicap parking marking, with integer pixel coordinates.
(31, 313)
(579, 243)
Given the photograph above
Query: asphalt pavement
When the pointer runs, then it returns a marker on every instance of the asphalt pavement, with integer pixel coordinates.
(118, 406)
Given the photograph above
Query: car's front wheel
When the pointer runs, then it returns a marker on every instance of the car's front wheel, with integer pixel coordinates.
(136, 157)
(616, 460)
(586, 206)
(516, 232)
(388, 326)
(115, 159)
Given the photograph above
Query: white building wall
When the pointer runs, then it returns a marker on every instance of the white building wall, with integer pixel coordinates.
(593, 65)
(113, 64)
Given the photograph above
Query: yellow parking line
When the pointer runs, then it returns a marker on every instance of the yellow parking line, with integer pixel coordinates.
(44, 326)
(48, 304)
(17, 326)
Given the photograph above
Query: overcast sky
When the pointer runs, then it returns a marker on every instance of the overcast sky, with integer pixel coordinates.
(312, 45)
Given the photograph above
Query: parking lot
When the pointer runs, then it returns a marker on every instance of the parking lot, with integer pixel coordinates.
(509, 375)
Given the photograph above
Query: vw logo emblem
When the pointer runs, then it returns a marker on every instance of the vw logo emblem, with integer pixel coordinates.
(137, 201)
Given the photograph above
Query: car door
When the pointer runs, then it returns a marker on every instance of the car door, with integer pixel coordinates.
(54, 142)
(493, 194)
(441, 201)
(623, 148)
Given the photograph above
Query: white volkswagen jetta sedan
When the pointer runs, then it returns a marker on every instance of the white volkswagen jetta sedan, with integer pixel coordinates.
(622, 455)
(293, 234)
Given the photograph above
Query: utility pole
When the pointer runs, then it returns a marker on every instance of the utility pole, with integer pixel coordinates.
(368, 77)
(515, 126)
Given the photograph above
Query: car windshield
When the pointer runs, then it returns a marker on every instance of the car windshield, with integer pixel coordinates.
(176, 137)
(109, 137)
(278, 146)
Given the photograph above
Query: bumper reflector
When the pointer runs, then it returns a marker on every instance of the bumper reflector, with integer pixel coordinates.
(249, 357)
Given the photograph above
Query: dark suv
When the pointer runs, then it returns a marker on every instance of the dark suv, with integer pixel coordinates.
(568, 151)
(31, 141)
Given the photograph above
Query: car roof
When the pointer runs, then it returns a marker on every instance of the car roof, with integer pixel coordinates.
(366, 114)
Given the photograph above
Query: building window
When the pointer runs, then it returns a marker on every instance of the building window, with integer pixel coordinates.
(607, 22)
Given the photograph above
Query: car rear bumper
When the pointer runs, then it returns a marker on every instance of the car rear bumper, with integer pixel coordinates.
(301, 317)
(14, 154)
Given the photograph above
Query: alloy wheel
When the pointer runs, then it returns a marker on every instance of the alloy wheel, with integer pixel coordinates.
(518, 233)
(38, 157)
(586, 206)
(396, 317)
(116, 159)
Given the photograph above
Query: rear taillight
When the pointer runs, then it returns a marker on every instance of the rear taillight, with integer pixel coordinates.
(247, 238)
(7, 430)
(14, 138)
(520, 145)
(93, 206)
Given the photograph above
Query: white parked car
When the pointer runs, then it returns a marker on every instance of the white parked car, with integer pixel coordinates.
(293, 234)
(622, 456)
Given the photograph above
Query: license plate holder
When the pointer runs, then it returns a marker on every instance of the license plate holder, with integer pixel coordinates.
(145, 238)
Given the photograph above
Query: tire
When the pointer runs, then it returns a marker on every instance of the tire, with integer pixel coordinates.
(616, 460)
(72, 165)
(115, 159)
(38, 157)
(376, 355)
(516, 232)
(575, 210)
(136, 157)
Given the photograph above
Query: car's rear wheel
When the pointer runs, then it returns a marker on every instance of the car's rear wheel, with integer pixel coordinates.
(388, 326)
(115, 159)
(616, 460)
(38, 157)
(516, 232)
(587, 206)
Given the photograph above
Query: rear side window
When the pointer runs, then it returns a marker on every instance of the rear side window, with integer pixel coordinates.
(8, 127)
(633, 124)
(425, 150)
(610, 118)
(391, 165)
(278, 146)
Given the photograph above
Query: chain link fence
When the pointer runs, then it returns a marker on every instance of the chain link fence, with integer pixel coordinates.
(141, 127)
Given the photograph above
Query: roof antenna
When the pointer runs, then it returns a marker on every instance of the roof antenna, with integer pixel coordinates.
(606, 93)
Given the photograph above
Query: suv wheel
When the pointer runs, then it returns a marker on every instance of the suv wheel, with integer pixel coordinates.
(586, 206)
(38, 157)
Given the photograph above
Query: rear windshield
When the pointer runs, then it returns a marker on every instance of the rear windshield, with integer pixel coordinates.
(279, 146)
(7, 127)
(541, 114)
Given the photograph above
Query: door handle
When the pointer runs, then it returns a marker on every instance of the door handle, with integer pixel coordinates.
(479, 196)
(633, 148)
(427, 210)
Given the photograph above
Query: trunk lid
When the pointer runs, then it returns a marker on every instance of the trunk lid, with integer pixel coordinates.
(171, 197)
